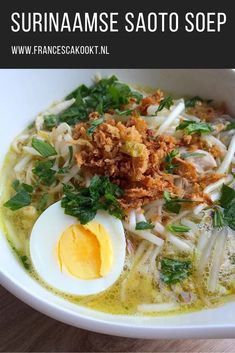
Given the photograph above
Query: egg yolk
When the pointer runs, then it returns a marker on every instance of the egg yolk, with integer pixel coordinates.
(85, 251)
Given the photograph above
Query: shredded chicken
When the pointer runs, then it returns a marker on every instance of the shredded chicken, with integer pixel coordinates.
(194, 143)
(206, 112)
(186, 170)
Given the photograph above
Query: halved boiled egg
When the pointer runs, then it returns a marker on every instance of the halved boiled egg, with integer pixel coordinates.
(74, 258)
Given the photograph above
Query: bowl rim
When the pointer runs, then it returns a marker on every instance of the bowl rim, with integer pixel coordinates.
(115, 328)
(144, 330)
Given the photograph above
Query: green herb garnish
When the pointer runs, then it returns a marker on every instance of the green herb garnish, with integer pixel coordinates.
(82, 90)
(169, 160)
(124, 112)
(50, 121)
(83, 203)
(137, 95)
(172, 203)
(93, 125)
(19, 200)
(191, 127)
(144, 225)
(17, 186)
(230, 126)
(22, 198)
(42, 204)
(218, 218)
(178, 228)
(44, 148)
(63, 170)
(43, 170)
(173, 207)
(225, 217)
(229, 215)
(191, 102)
(227, 196)
(165, 103)
(107, 94)
(174, 271)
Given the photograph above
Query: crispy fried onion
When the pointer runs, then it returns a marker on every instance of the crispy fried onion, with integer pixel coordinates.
(129, 155)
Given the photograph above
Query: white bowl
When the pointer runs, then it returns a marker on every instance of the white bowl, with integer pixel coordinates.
(26, 92)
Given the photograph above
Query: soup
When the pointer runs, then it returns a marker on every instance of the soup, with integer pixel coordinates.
(123, 200)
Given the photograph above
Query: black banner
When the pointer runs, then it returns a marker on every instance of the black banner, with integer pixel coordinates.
(173, 34)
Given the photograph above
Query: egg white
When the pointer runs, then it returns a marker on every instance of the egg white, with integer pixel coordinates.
(43, 244)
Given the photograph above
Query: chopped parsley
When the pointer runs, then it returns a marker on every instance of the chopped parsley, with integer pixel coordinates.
(43, 170)
(22, 198)
(144, 225)
(63, 170)
(191, 102)
(19, 200)
(169, 161)
(227, 196)
(50, 121)
(165, 103)
(225, 216)
(83, 203)
(17, 186)
(174, 271)
(107, 94)
(94, 124)
(230, 126)
(124, 112)
(43, 201)
(172, 204)
(227, 201)
(191, 127)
